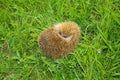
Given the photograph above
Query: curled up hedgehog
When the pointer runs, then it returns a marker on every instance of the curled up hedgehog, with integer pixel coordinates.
(58, 41)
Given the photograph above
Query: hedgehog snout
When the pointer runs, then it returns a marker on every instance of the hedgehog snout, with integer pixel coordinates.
(63, 35)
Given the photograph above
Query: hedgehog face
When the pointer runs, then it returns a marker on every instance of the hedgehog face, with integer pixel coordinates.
(63, 34)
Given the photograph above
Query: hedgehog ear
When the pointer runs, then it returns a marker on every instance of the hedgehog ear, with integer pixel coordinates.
(68, 38)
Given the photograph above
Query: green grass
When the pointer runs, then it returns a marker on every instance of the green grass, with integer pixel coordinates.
(97, 56)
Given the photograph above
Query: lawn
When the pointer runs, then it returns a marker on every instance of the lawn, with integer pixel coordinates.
(97, 56)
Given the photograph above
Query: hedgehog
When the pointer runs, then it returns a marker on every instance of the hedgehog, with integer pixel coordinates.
(59, 40)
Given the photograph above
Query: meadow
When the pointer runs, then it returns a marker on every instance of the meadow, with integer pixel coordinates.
(97, 56)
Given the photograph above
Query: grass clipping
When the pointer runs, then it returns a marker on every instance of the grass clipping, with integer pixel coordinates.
(58, 41)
